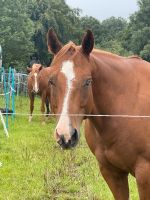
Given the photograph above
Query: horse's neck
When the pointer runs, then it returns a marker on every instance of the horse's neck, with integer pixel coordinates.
(111, 78)
(104, 63)
(105, 70)
(102, 74)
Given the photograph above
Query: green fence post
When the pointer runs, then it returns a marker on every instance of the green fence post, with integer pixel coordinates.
(13, 92)
(6, 95)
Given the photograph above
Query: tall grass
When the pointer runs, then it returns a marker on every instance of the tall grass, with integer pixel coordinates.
(35, 168)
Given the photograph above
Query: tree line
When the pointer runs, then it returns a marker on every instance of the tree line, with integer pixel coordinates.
(24, 24)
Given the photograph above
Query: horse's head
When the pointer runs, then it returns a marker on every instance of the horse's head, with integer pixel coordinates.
(71, 91)
(34, 77)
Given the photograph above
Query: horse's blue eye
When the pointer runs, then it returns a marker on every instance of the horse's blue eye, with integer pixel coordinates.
(87, 82)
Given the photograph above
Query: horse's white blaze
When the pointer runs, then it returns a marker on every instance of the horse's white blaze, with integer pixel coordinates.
(35, 83)
(63, 126)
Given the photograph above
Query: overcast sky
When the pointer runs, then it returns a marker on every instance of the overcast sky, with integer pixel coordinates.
(103, 9)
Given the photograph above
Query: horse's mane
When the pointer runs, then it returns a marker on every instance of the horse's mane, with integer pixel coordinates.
(113, 55)
(104, 52)
(135, 56)
(72, 45)
(35, 65)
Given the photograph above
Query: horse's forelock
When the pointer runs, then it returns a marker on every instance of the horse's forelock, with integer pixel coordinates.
(35, 65)
(68, 49)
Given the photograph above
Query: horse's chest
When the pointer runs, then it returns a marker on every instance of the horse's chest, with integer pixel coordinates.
(116, 159)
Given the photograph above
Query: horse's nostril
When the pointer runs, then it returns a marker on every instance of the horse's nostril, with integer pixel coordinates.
(63, 143)
(74, 136)
(35, 92)
(61, 140)
(67, 144)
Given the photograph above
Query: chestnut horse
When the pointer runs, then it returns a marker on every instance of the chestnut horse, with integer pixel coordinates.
(86, 82)
(38, 84)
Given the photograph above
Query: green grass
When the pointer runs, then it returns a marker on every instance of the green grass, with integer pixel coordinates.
(35, 168)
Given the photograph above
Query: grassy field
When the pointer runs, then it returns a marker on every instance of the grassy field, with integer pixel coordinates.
(35, 168)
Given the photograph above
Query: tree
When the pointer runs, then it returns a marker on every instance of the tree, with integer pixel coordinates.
(56, 14)
(145, 53)
(16, 32)
(92, 24)
(113, 27)
(137, 35)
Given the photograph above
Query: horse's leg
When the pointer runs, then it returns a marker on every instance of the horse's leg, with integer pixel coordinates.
(31, 96)
(116, 179)
(47, 106)
(117, 182)
(43, 99)
(142, 174)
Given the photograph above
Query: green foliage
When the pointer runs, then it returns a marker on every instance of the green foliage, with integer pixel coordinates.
(139, 39)
(111, 34)
(16, 30)
(114, 46)
(24, 25)
(107, 34)
(112, 28)
(137, 35)
(56, 14)
(145, 53)
(92, 24)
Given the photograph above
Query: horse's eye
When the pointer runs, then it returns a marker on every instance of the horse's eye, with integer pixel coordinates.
(87, 82)
(51, 82)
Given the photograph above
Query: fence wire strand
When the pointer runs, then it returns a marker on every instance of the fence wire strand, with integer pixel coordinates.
(80, 115)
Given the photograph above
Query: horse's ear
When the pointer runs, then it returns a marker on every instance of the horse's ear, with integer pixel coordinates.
(41, 67)
(87, 42)
(29, 69)
(54, 45)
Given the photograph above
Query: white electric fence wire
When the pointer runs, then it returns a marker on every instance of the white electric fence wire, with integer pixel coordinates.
(82, 115)
(5, 93)
(17, 76)
(10, 92)
(4, 125)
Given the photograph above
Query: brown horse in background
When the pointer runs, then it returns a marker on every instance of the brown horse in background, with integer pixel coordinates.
(38, 85)
(86, 82)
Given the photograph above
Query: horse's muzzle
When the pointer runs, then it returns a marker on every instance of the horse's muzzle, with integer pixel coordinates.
(35, 92)
(70, 143)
